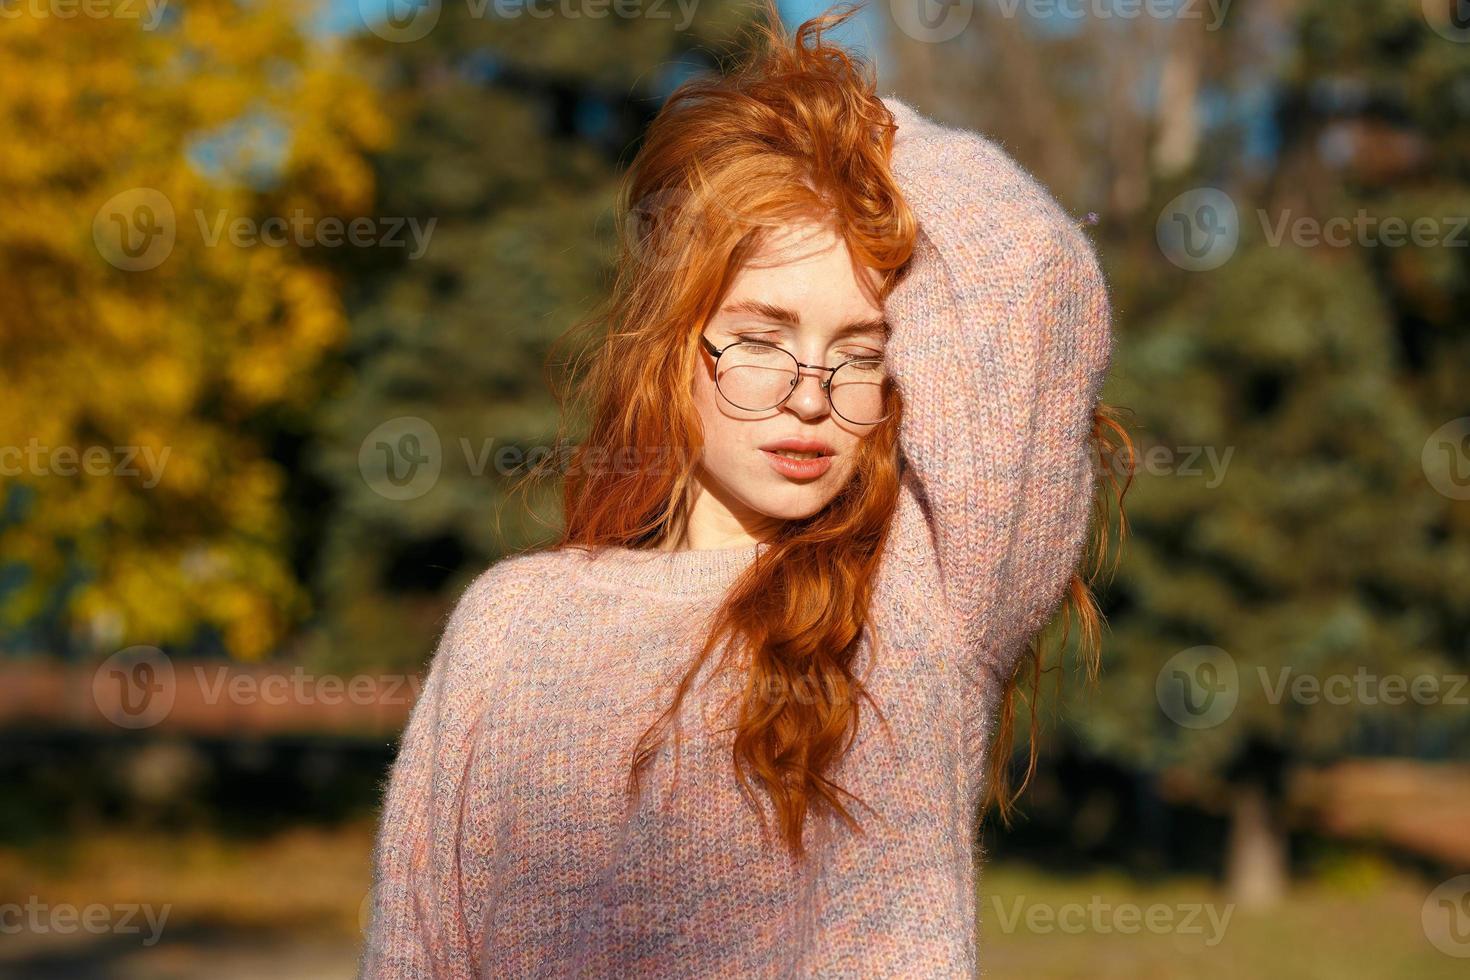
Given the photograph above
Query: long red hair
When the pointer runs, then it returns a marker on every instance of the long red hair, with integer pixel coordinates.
(795, 131)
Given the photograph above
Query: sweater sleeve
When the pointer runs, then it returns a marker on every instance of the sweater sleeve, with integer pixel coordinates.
(1000, 341)
(417, 927)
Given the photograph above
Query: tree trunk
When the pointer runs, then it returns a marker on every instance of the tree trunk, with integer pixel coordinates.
(1256, 873)
(1177, 143)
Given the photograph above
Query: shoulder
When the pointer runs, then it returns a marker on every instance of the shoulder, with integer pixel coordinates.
(514, 579)
(487, 611)
(506, 592)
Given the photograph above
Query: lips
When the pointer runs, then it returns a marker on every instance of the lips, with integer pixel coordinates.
(813, 457)
(804, 448)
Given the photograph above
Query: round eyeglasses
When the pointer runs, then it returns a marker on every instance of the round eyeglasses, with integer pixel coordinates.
(758, 377)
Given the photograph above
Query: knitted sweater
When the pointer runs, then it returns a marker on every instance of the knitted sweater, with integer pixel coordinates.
(505, 849)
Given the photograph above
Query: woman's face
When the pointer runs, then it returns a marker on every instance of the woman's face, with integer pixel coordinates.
(803, 294)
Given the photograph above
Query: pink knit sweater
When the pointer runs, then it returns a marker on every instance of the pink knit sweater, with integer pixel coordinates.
(504, 848)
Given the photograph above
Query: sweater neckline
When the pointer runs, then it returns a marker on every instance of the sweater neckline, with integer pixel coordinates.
(702, 572)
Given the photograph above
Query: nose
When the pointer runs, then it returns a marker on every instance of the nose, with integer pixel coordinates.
(808, 401)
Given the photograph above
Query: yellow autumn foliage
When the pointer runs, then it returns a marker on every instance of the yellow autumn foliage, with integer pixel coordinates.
(138, 342)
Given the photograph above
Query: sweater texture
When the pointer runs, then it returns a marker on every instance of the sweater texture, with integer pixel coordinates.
(505, 849)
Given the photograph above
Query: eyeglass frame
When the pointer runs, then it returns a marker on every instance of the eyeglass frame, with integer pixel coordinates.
(825, 383)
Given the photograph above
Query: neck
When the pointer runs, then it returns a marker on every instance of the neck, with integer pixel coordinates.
(713, 523)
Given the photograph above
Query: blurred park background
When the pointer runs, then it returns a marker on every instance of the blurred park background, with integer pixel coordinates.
(277, 285)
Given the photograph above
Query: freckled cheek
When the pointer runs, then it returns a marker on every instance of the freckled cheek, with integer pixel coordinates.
(729, 440)
(846, 466)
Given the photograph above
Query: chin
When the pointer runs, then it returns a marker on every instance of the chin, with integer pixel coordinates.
(796, 503)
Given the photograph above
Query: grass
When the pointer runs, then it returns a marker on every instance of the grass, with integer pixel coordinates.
(1355, 920)
(1361, 924)
(306, 881)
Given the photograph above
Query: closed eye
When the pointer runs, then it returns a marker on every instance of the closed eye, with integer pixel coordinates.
(844, 356)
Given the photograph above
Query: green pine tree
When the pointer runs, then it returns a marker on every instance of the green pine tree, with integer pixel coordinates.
(511, 133)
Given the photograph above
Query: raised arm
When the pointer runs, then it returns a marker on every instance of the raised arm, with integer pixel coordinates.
(1001, 338)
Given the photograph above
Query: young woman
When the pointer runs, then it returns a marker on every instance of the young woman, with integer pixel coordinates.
(837, 473)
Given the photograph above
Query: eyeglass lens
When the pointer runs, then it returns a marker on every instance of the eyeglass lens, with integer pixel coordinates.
(757, 377)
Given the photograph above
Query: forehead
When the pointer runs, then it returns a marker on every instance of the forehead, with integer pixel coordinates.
(809, 270)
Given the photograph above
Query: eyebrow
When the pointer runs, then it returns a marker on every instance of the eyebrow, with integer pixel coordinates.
(790, 318)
